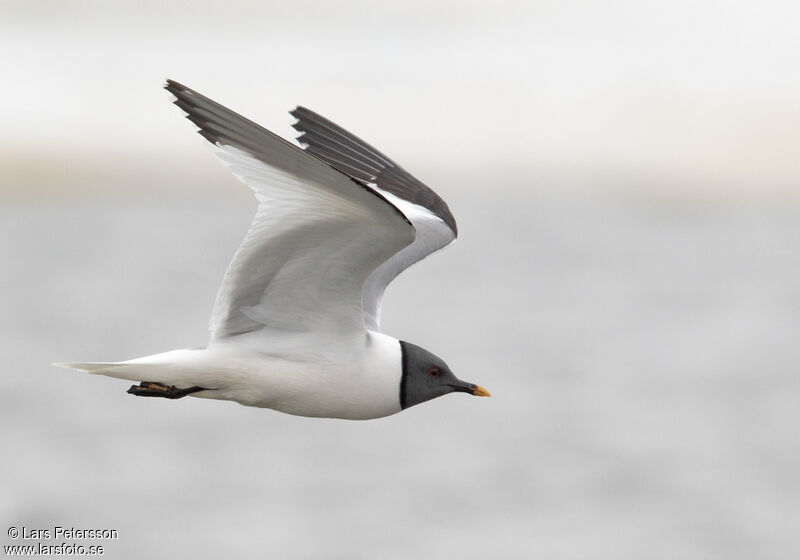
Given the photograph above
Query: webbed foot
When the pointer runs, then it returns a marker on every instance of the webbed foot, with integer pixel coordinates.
(153, 389)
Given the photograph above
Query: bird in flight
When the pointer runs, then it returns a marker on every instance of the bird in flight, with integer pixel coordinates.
(296, 322)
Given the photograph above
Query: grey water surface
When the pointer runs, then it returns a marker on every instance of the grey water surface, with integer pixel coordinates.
(642, 355)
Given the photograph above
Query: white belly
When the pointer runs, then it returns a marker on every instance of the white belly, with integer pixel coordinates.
(355, 381)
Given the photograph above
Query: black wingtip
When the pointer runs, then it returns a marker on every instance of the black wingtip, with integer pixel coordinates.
(349, 154)
(192, 103)
(181, 91)
(172, 86)
(298, 113)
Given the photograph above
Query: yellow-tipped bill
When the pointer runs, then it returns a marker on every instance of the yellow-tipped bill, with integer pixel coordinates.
(481, 392)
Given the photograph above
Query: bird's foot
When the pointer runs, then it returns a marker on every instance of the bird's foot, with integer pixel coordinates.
(151, 389)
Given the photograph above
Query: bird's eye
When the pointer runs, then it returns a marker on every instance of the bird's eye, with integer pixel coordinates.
(434, 372)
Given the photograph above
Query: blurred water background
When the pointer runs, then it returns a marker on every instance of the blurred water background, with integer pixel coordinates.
(626, 283)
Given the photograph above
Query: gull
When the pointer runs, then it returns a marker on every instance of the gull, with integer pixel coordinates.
(296, 323)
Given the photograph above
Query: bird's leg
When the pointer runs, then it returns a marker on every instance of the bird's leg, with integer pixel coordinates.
(152, 389)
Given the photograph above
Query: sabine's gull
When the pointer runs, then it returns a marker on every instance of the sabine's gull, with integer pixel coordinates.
(296, 322)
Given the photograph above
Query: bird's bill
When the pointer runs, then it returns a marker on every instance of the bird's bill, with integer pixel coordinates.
(481, 392)
(472, 389)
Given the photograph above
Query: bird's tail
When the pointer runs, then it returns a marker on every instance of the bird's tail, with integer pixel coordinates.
(157, 375)
(173, 368)
(120, 370)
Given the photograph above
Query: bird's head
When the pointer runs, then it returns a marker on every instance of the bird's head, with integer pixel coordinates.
(426, 376)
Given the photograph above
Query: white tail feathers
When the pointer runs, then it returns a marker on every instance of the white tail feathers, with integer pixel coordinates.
(172, 368)
(120, 370)
(91, 367)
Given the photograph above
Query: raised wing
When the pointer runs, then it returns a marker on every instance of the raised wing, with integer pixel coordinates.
(434, 223)
(316, 237)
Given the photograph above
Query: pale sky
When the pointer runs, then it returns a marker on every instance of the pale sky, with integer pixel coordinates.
(704, 93)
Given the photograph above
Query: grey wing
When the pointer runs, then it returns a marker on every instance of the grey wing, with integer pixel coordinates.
(316, 237)
(434, 223)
